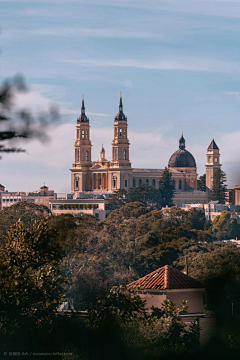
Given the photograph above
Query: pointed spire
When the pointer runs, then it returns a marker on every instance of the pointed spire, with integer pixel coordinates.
(182, 142)
(213, 146)
(103, 150)
(83, 117)
(83, 107)
(120, 115)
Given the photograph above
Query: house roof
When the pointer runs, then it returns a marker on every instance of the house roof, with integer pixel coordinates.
(166, 277)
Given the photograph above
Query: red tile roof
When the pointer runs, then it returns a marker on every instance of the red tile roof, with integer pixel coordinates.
(166, 277)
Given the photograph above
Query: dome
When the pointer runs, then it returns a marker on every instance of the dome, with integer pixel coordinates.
(120, 115)
(182, 157)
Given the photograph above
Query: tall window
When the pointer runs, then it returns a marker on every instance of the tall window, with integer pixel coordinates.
(86, 134)
(140, 181)
(147, 181)
(126, 183)
(134, 183)
(173, 182)
(124, 132)
(77, 182)
(120, 132)
(124, 155)
(153, 182)
(116, 154)
(79, 155)
(82, 134)
(86, 155)
(180, 184)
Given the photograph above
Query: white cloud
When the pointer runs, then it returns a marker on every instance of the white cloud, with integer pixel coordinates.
(182, 63)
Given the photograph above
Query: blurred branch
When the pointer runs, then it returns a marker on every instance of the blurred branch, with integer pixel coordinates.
(21, 124)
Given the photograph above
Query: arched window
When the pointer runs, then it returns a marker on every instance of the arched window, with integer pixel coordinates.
(124, 132)
(134, 183)
(173, 183)
(76, 182)
(120, 132)
(86, 134)
(153, 182)
(140, 181)
(180, 184)
(86, 155)
(82, 134)
(124, 155)
(147, 181)
(116, 154)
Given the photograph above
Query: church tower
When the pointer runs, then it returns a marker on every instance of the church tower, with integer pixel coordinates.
(80, 176)
(120, 143)
(120, 170)
(213, 163)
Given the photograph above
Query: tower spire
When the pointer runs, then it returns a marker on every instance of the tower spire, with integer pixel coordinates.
(182, 142)
(120, 103)
(83, 107)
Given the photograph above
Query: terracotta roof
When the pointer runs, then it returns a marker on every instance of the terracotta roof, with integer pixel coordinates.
(166, 277)
(213, 145)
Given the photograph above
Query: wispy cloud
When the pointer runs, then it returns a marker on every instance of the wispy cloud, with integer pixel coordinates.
(179, 63)
(123, 33)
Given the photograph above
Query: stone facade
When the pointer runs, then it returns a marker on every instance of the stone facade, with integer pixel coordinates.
(110, 175)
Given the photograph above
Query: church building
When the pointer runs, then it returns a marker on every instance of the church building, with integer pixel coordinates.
(109, 175)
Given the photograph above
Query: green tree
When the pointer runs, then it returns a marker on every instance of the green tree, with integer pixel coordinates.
(147, 195)
(119, 198)
(201, 183)
(123, 315)
(30, 281)
(219, 187)
(166, 188)
(23, 211)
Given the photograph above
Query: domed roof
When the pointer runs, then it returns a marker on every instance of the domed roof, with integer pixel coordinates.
(182, 157)
(120, 115)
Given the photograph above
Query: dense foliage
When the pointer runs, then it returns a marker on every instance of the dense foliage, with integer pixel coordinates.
(201, 183)
(218, 191)
(30, 280)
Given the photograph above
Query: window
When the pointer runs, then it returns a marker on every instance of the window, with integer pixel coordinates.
(216, 159)
(116, 154)
(173, 183)
(126, 183)
(114, 183)
(124, 155)
(147, 181)
(82, 134)
(120, 132)
(180, 184)
(153, 182)
(86, 155)
(77, 182)
(140, 181)
(210, 159)
(97, 215)
(134, 183)
(86, 134)
(79, 155)
(124, 132)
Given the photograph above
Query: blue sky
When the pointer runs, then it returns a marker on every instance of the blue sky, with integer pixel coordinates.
(177, 64)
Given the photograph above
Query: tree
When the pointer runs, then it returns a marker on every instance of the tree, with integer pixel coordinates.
(30, 280)
(166, 188)
(23, 211)
(122, 317)
(219, 187)
(119, 198)
(21, 124)
(201, 183)
(147, 195)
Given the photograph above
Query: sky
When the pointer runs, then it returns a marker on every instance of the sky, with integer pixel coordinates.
(177, 64)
